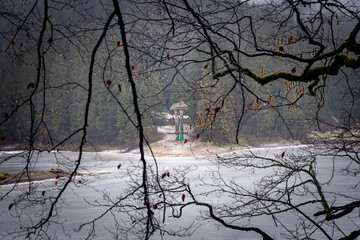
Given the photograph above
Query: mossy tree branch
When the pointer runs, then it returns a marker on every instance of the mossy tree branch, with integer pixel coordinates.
(309, 73)
(312, 74)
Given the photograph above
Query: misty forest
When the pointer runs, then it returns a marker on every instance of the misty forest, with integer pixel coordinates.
(189, 119)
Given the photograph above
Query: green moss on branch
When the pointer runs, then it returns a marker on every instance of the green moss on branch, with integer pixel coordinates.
(312, 74)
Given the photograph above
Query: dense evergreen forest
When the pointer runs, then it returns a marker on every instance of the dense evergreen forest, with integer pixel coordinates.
(269, 117)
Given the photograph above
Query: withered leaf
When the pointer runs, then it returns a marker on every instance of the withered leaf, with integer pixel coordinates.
(10, 206)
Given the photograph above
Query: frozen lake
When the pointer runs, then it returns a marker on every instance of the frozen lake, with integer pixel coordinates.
(103, 175)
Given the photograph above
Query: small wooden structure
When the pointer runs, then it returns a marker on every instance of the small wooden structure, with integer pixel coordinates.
(178, 109)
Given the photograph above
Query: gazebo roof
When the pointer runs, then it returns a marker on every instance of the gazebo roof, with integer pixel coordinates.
(179, 106)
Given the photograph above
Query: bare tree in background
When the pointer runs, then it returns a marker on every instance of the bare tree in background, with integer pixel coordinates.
(279, 68)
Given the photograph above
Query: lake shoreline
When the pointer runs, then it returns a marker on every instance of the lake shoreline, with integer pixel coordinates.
(196, 148)
(162, 148)
(31, 176)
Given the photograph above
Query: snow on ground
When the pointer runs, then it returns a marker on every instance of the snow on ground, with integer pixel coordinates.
(190, 146)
